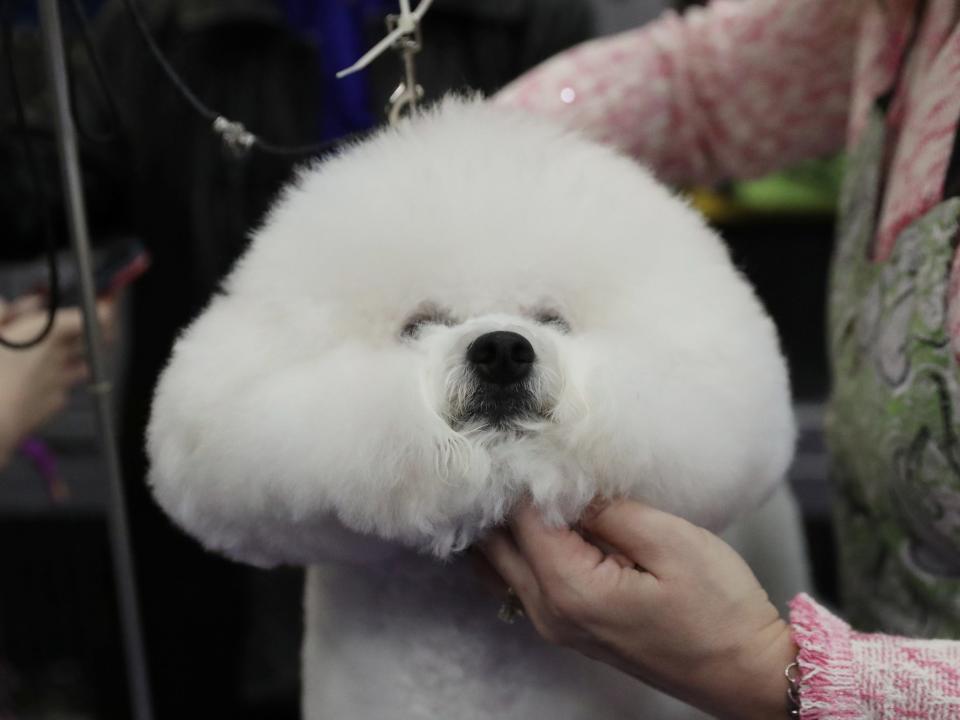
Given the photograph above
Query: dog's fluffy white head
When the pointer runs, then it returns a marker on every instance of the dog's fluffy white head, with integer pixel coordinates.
(454, 314)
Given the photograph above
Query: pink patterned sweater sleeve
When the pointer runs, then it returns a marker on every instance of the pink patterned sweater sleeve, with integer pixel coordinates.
(737, 89)
(847, 674)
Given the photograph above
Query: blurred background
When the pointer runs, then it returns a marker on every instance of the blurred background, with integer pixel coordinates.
(223, 639)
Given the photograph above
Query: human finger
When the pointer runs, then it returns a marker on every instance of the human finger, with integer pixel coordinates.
(26, 304)
(611, 552)
(70, 318)
(649, 537)
(502, 553)
(20, 328)
(76, 373)
(107, 315)
(75, 351)
(552, 552)
(68, 326)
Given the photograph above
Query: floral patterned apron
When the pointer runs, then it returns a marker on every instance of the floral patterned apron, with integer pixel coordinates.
(894, 420)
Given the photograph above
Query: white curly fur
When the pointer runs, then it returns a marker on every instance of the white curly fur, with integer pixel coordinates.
(295, 424)
(293, 398)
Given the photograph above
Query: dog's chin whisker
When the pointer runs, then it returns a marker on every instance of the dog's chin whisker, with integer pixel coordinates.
(453, 458)
(570, 406)
(473, 430)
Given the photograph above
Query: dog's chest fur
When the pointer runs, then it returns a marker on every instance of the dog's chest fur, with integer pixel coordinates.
(415, 639)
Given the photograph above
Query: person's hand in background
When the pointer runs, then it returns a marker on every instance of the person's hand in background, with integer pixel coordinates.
(668, 602)
(35, 383)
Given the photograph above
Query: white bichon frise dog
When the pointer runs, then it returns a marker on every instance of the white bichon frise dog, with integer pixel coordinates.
(467, 310)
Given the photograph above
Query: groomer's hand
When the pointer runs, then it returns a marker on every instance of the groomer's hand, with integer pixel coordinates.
(667, 602)
(35, 383)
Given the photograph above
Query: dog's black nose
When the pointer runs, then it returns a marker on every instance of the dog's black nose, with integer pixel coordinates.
(503, 358)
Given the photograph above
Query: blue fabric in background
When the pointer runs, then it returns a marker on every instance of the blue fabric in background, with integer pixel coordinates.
(27, 14)
(336, 28)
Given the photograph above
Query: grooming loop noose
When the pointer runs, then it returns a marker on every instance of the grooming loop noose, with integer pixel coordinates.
(403, 100)
(404, 36)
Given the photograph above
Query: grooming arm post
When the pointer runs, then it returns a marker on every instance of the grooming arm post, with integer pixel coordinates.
(123, 567)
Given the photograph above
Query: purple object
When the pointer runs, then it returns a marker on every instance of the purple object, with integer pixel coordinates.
(45, 461)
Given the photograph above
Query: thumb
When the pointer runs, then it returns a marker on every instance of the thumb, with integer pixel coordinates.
(651, 538)
(26, 304)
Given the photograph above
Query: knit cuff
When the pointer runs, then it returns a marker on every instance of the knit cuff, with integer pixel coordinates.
(828, 682)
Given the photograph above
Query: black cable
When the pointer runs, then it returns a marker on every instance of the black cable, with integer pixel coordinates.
(144, 29)
(53, 300)
(113, 107)
(233, 133)
(83, 131)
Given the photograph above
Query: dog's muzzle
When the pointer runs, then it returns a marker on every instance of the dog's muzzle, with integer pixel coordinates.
(502, 363)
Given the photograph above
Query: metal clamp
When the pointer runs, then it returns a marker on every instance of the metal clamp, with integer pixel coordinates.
(404, 99)
(234, 135)
(404, 36)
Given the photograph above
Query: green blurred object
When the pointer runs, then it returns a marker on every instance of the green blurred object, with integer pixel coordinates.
(809, 188)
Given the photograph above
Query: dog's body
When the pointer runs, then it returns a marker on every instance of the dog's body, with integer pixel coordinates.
(454, 315)
(397, 635)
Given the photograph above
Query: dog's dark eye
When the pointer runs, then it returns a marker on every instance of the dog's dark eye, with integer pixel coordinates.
(416, 322)
(551, 317)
